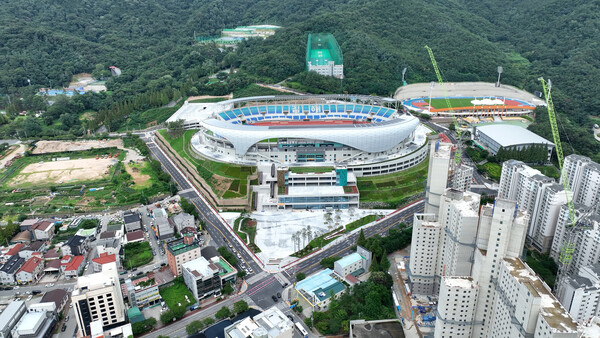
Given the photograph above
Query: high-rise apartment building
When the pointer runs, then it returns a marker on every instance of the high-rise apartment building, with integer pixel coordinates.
(537, 195)
(580, 293)
(443, 245)
(98, 297)
(584, 179)
(440, 155)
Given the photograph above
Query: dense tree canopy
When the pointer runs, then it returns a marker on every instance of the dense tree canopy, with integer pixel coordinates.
(43, 43)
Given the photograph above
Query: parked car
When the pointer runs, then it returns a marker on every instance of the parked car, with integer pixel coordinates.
(278, 295)
(274, 298)
(67, 319)
(36, 292)
(29, 298)
(63, 328)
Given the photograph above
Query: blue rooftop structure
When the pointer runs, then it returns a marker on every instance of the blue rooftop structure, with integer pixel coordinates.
(350, 259)
(320, 285)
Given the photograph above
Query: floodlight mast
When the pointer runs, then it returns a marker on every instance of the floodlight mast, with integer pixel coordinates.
(500, 70)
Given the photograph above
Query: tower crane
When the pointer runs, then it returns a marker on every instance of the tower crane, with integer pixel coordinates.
(458, 152)
(568, 244)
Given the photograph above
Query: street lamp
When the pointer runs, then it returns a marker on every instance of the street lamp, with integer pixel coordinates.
(500, 70)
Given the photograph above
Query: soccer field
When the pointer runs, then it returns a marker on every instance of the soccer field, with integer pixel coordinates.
(441, 103)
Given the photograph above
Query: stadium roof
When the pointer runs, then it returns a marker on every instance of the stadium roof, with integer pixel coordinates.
(508, 135)
(372, 137)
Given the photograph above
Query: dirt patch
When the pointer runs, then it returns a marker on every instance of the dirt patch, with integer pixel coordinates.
(58, 172)
(192, 98)
(44, 147)
(134, 169)
(11, 155)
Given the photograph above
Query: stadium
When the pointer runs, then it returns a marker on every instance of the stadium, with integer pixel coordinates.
(476, 99)
(367, 134)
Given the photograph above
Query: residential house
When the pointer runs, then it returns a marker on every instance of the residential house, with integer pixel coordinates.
(164, 230)
(132, 221)
(103, 258)
(14, 250)
(59, 297)
(181, 221)
(135, 236)
(37, 246)
(8, 270)
(42, 231)
(22, 237)
(76, 245)
(31, 271)
(72, 265)
(28, 223)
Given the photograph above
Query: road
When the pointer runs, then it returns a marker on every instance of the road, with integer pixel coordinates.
(261, 290)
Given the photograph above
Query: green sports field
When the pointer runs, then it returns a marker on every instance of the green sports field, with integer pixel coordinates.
(455, 102)
(319, 57)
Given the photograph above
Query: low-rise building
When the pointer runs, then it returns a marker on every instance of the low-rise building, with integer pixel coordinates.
(59, 297)
(354, 264)
(134, 236)
(31, 271)
(202, 278)
(72, 266)
(164, 230)
(33, 247)
(314, 292)
(180, 251)
(181, 221)
(14, 250)
(142, 292)
(103, 258)
(42, 231)
(76, 245)
(10, 268)
(272, 323)
(35, 324)
(132, 221)
(10, 317)
(22, 237)
(28, 223)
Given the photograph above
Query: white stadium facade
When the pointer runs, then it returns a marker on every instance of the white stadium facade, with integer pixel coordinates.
(369, 135)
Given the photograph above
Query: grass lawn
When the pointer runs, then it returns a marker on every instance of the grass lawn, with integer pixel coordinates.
(455, 102)
(395, 188)
(210, 100)
(233, 177)
(302, 170)
(548, 170)
(242, 227)
(494, 170)
(175, 295)
(256, 90)
(137, 254)
(360, 222)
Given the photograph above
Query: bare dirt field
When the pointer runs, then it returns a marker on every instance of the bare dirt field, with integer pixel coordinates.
(140, 179)
(57, 172)
(44, 147)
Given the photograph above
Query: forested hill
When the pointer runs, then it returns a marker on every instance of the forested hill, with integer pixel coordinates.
(152, 42)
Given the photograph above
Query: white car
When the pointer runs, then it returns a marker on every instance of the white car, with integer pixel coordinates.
(29, 298)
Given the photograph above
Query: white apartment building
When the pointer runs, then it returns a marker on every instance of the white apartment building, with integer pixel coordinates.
(536, 194)
(525, 307)
(580, 293)
(501, 233)
(456, 314)
(98, 297)
(584, 179)
(444, 246)
(462, 178)
(272, 323)
(586, 239)
(440, 155)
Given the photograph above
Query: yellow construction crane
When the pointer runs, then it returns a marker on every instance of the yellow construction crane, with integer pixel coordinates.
(458, 152)
(568, 244)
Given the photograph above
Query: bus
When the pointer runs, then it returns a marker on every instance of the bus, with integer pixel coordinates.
(301, 329)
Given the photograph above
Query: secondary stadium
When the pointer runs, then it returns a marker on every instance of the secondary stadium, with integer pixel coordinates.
(476, 99)
(369, 135)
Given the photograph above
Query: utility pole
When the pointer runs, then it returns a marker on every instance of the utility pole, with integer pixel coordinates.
(500, 70)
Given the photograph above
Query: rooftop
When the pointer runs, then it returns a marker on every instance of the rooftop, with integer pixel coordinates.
(55, 296)
(74, 263)
(200, 267)
(31, 264)
(135, 235)
(105, 258)
(320, 285)
(15, 249)
(316, 191)
(107, 234)
(131, 217)
(42, 226)
(364, 329)
(177, 246)
(13, 264)
(29, 322)
(508, 135)
(349, 259)
(550, 309)
(10, 311)
(460, 282)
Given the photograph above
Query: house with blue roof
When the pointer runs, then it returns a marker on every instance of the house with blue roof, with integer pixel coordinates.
(354, 264)
(315, 292)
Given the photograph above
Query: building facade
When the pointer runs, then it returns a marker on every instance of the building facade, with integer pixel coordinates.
(98, 297)
(580, 293)
(202, 278)
(584, 179)
(180, 251)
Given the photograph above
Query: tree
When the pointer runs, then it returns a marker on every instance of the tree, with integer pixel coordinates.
(194, 327)
(300, 276)
(175, 128)
(241, 274)
(32, 126)
(240, 306)
(362, 240)
(167, 317)
(329, 262)
(143, 326)
(208, 321)
(227, 289)
(223, 313)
